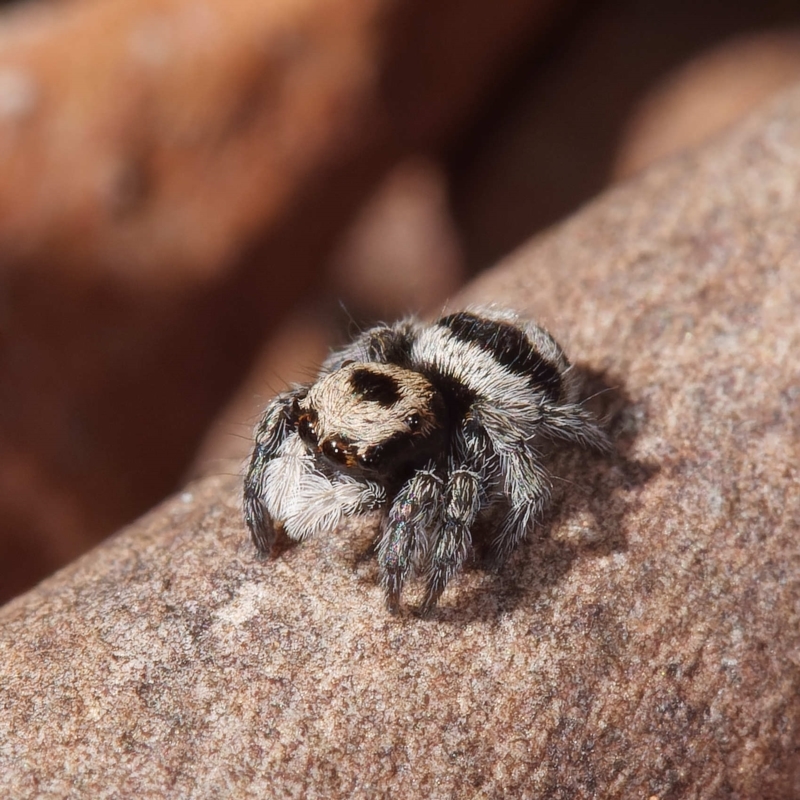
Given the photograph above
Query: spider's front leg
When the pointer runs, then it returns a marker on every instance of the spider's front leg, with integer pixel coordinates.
(413, 514)
(470, 469)
(453, 539)
(272, 431)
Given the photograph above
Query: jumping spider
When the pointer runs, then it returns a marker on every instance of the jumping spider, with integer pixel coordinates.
(440, 426)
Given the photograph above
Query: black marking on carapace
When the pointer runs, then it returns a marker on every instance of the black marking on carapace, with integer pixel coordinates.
(509, 346)
(376, 386)
(456, 396)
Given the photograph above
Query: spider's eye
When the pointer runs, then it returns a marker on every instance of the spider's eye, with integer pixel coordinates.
(305, 428)
(337, 450)
(371, 457)
(414, 422)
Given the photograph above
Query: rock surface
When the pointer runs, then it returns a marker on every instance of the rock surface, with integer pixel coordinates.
(645, 643)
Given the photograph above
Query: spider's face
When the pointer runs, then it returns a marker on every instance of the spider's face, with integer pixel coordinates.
(372, 418)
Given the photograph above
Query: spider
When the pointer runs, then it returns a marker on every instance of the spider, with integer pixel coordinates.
(441, 426)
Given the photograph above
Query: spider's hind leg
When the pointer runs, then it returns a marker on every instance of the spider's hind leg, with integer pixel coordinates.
(528, 489)
(571, 422)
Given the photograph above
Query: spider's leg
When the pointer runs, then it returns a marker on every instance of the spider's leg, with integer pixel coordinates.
(471, 467)
(412, 515)
(570, 422)
(454, 536)
(271, 432)
(527, 482)
(383, 344)
(528, 488)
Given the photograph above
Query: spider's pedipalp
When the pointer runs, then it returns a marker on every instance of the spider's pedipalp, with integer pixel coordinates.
(308, 500)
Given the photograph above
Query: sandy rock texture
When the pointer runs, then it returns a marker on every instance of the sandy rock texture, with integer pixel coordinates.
(645, 643)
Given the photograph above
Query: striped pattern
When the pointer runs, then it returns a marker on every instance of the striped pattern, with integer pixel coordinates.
(509, 346)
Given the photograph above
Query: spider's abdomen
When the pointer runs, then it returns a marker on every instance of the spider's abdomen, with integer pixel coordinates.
(510, 348)
(492, 357)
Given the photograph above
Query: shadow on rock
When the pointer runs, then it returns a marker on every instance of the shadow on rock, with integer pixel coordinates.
(593, 495)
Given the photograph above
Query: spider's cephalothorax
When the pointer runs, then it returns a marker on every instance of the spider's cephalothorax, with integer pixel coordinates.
(440, 426)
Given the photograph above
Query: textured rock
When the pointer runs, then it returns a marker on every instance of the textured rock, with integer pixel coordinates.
(645, 644)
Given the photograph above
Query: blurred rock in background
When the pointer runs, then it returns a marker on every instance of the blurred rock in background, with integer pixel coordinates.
(189, 190)
(173, 176)
(592, 107)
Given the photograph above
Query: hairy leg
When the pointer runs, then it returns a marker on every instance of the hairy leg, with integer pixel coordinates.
(472, 466)
(384, 344)
(271, 433)
(454, 536)
(528, 489)
(573, 423)
(413, 514)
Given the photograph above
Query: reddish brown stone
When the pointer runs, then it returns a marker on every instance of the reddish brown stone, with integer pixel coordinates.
(707, 94)
(576, 115)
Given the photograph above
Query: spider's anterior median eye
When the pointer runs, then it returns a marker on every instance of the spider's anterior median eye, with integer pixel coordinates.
(372, 456)
(333, 448)
(414, 422)
(340, 451)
